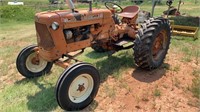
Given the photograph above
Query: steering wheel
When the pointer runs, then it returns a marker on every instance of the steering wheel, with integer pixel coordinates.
(113, 6)
(169, 2)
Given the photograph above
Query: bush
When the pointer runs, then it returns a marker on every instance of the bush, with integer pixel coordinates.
(18, 13)
(186, 20)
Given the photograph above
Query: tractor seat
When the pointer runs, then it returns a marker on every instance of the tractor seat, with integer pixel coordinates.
(130, 11)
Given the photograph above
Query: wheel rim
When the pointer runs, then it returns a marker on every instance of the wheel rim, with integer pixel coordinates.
(159, 45)
(81, 88)
(35, 63)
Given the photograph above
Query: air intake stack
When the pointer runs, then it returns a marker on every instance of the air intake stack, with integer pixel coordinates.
(70, 5)
(90, 5)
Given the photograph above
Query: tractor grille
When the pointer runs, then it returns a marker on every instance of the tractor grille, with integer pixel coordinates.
(44, 37)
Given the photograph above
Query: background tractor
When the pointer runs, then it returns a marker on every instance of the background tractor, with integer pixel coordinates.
(62, 35)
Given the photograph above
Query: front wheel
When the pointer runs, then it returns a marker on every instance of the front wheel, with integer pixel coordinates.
(77, 86)
(152, 43)
(30, 64)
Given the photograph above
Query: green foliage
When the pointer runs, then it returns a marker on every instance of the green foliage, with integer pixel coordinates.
(17, 13)
(186, 20)
(52, 1)
(26, 2)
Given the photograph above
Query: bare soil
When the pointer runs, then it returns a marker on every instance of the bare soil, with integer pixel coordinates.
(162, 90)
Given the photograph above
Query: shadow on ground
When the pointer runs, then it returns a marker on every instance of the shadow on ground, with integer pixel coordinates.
(96, 55)
(114, 65)
(150, 76)
(44, 100)
(91, 107)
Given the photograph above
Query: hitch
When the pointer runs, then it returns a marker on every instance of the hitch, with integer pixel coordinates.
(66, 63)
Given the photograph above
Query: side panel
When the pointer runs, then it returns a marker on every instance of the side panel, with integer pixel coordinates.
(83, 18)
(57, 36)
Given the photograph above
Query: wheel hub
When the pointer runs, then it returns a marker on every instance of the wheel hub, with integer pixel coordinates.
(81, 88)
(159, 45)
(34, 63)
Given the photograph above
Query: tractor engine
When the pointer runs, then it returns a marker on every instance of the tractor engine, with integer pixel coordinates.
(76, 34)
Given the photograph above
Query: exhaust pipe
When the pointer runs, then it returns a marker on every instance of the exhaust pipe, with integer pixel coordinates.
(70, 5)
(90, 5)
(154, 2)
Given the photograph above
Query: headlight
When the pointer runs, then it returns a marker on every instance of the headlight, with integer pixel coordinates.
(54, 25)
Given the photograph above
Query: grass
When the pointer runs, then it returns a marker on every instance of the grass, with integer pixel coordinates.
(195, 87)
(110, 91)
(16, 12)
(190, 52)
(176, 68)
(37, 92)
(196, 73)
(157, 92)
(176, 82)
(19, 94)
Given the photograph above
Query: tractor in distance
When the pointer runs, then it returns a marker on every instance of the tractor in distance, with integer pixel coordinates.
(64, 34)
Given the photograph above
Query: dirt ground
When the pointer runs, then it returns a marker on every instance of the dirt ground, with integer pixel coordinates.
(165, 89)
(161, 90)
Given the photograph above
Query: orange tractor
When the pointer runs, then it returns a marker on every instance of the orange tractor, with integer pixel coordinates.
(62, 35)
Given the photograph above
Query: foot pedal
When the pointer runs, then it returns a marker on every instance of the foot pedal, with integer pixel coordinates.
(124, 43)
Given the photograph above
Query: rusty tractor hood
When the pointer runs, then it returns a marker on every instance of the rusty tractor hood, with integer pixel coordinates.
(50, 16)
(64, 17)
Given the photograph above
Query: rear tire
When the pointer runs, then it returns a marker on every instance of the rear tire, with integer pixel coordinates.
(77, 86)
(29, 66)
(152, 43)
